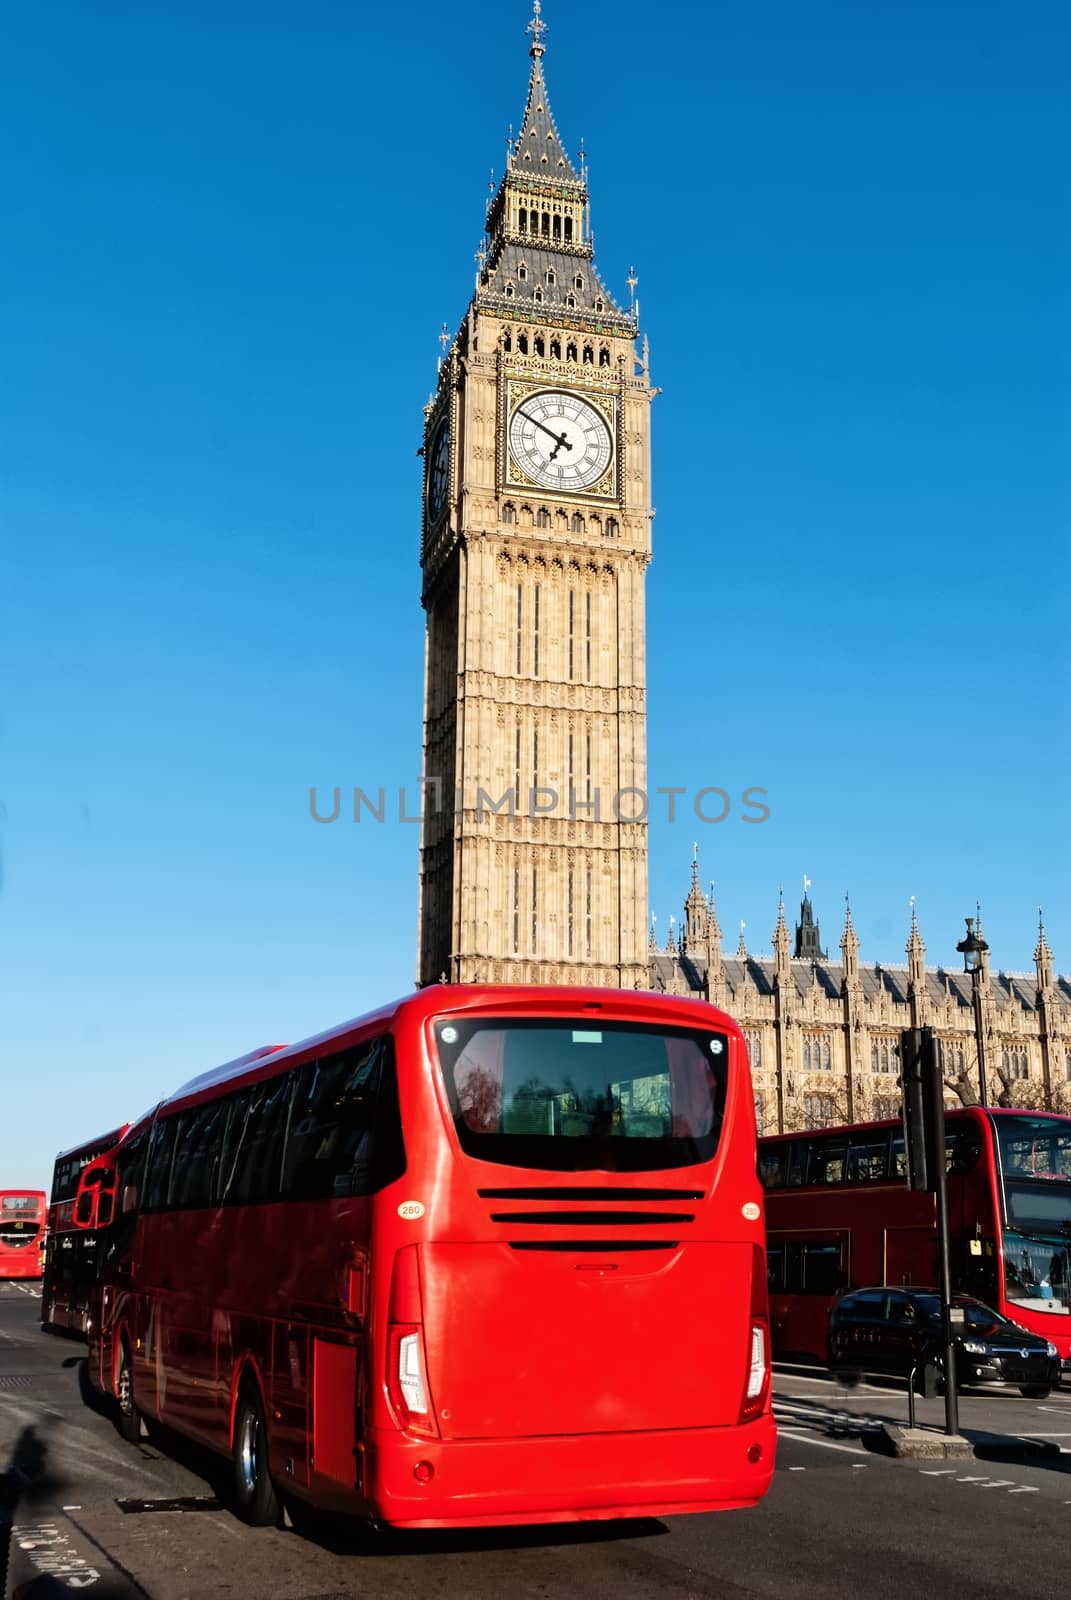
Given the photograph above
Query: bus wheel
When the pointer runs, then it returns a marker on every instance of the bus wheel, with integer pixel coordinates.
(129, 1421)
(1036, 1391)
(254, 1491)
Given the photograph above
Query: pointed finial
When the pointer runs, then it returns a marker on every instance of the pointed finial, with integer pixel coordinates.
(806, 884)
(583, 161)
(444, 338)
(509, 144)
(632, 281)
(741, 948)
(491, 181)
(537, 28)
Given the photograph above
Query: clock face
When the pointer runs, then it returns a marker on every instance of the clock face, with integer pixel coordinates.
(560, 440)
(438, 472)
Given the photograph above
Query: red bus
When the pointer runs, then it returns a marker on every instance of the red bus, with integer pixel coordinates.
(70, 1268)
(22, 1232)
(839, 1214)
(490, 1255)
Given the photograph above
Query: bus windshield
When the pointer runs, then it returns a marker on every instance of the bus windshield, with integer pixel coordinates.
(1035, 1147)
(584, 1094)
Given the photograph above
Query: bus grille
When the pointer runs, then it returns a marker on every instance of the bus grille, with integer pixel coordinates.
(594, 1219)
(605, 1246)
(574, 1192)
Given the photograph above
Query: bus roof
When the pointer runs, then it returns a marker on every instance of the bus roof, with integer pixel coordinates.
(897, 1122)
(93, 1147)
(522, 999)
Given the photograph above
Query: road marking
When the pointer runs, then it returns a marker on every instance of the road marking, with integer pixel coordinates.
(1000, 1483)
(797, 1469)
(827, 1444)
(938, 1472)
(1026, 1489)
(972, 1480)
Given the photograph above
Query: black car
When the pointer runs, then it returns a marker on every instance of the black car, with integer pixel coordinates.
(893, 1330)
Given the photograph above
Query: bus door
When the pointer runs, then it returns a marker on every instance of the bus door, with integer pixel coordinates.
(805, 1271)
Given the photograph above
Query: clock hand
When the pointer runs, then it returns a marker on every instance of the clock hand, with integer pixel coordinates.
(559, 438)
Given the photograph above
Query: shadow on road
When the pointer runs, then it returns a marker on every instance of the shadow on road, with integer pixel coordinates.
(344, 1537)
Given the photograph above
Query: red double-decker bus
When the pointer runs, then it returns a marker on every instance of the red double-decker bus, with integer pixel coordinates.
(488, 1256)
(22, 1232)
(70, 1267)
(839, 1214)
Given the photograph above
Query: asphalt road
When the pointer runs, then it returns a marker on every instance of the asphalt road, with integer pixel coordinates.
(842, 1518)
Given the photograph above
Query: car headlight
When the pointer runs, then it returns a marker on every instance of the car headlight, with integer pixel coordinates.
(1051, 1350)
(974, 1347)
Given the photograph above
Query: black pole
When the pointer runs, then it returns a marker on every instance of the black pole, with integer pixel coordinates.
(979, 1038)
(936, 1119)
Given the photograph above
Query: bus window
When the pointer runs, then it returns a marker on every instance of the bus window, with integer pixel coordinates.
(256, 1143)
(827, 1161)
(197, 1155)
(161, 1155)
(345, 1133)
(812, 1266)
(797, 1163)
(773, 1166)
(569, 1096)
(775, 1267)
(821, 1268)
(868, 1158)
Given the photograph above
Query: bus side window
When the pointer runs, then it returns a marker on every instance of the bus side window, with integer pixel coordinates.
(773, 1166)
(254, 1169)
(868, 1158)
(161, 1155)
(897, 1157)
(345, 1126)
(197, 1155)
(963, 1147)
(821, 1268)
(797, 1163)
(827, 1161)
(775, 1268)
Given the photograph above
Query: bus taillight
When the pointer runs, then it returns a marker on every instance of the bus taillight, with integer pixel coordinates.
(407, 1371)
(756, 1389)
(407, 1380)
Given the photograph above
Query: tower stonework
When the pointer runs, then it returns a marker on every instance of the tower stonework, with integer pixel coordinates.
(536, 541)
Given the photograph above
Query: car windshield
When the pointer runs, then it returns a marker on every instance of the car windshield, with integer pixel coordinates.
(976, 1316)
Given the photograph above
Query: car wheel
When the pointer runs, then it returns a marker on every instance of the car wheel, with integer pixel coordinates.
(1034, 1391)
(129, 1418)
(254, 1493)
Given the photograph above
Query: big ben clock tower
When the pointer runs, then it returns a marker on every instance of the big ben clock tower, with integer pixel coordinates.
(536, 540)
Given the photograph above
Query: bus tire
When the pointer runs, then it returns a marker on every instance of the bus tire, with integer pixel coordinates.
(254, 1493)
(128, 1419)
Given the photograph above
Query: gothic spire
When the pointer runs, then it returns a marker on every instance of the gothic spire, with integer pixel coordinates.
(741, 949)
(849, 947)
(1043, 956)
(916, 951)
(538, 149)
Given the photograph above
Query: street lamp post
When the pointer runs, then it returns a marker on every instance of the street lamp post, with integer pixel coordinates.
(973, 949)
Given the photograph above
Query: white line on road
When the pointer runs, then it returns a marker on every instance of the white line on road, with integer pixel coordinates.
(938, 1472)
(1026, 1489)
(999, 1483)
(972, 1480)
(827, 1444)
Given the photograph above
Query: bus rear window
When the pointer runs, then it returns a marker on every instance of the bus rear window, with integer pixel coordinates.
(581, 1095)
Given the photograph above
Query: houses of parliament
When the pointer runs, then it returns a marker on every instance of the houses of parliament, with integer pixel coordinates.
(535, 544)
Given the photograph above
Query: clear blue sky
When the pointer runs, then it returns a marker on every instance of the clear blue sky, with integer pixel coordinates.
(232, 233)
